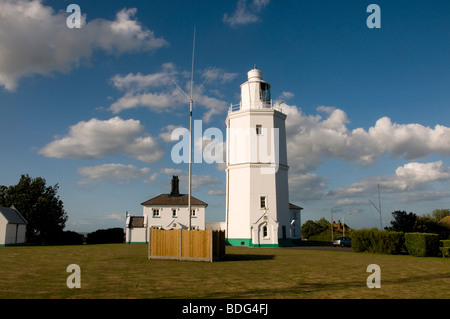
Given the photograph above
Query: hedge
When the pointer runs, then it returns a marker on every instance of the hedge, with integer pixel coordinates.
(106, 236)
(422, 244)
(445, 248)
(375, 241)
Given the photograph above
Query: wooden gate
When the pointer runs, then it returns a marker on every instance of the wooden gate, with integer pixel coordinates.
(200, 245)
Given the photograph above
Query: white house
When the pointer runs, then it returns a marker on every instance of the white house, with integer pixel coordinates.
(12, 227)
(165, 211)
(258, 212)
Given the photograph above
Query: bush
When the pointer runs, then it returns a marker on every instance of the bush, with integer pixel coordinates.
(375, 241)
(422, 244)
(106, 236)
(65, 238)
(445, 248)
(445, 251)
(445, 243)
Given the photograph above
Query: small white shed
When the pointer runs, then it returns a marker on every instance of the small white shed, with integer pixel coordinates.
(12, 227)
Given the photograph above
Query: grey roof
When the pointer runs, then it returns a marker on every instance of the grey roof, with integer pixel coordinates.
(136, 221)
(12, 215)
(293, 206)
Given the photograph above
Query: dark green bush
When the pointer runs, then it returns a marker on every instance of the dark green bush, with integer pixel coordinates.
(445, 243)
(445, 248)
(445, 251)
(375, 241)
(422, 244)
(106, 236)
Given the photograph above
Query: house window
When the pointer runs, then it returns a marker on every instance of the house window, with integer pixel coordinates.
(174, 213)
(193, 213)
(265, 231)
(258, 129)
(156, 213)
(283, 231)
(263, 201)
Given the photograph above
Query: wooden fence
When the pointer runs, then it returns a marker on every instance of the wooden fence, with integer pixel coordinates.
(201, 245)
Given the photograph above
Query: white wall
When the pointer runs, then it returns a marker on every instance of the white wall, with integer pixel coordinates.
(136, 235)
(166, 219)
(3, 223)
(296, 215)
(14, 234)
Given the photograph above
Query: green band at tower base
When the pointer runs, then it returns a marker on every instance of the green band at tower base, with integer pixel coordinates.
(247, 242)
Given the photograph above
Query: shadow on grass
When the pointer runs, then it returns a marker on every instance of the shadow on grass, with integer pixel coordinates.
(244, 257)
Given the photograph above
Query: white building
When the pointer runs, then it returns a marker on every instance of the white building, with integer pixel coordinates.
(258, 213)
(165, 211)
(12, 227)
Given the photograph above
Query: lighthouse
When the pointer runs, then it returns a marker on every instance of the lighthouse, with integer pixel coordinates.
(257, 192)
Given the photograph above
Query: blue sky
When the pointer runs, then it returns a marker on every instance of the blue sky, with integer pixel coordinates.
(92, 109)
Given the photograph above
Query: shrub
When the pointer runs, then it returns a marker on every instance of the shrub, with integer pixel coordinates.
(445, 251)
(362, 240)
(106, 236)
(445, 248)
(375, 241)
(65, 238)
(445, 243)
(422, 244)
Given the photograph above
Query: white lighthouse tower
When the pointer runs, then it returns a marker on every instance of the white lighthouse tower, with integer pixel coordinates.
(257, 194)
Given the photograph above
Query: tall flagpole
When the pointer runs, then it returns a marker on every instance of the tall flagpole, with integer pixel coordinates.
(191, 105)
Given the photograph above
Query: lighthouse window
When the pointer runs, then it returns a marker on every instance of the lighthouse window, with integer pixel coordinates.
(264, 92)
(263, 201)
(265, 231)
(258, 129)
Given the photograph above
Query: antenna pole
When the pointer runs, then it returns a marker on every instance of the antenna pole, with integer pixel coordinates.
(379, 207)
(332, 238)
(190, 161)
(191, 105)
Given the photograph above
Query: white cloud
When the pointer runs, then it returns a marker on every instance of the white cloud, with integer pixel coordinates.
(217, 192)
(217, 74)
(306, 186)
(159, 94)
(36, 40)
(172, 171)
(245, 13)
(115, 173)
(135, 82)
(285, 95)
(157, 102)
(115, 216)
(197, 180)
(312, 138)
(97, 139)
(410, 177)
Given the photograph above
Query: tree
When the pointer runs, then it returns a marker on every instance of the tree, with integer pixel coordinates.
(438, 214)
(310, 227)
(409, 223)
(403, 222)
(40, 206)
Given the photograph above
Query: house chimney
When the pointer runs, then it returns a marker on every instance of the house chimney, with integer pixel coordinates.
(175, 186)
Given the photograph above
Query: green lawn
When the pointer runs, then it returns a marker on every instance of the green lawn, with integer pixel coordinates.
(123, 271)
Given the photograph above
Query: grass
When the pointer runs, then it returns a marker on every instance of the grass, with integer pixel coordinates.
(123, 271)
